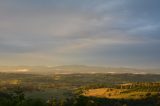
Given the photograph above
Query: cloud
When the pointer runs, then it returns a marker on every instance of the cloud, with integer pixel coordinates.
(74, 30)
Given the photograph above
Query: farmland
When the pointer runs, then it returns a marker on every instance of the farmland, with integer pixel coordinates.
(116, 88)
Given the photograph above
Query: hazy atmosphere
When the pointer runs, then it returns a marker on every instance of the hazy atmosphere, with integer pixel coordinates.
(79, 52)
(116, 33)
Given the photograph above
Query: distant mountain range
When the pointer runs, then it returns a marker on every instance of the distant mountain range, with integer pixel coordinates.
(69, 69)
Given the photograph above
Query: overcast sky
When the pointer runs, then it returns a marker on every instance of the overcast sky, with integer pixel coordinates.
(117, 33)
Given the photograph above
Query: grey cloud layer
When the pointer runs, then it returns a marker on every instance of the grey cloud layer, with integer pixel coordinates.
(80, 31)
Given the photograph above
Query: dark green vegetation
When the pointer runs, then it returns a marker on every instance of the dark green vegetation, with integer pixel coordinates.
(65, 89)
(17, 98)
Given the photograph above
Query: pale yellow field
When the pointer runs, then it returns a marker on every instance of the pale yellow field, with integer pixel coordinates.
(115, 93)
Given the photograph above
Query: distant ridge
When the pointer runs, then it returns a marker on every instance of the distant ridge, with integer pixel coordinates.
(70, 69)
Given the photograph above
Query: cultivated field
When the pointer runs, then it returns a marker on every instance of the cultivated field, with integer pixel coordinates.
(117, 93)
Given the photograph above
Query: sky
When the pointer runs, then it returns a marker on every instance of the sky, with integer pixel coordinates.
(115, 33)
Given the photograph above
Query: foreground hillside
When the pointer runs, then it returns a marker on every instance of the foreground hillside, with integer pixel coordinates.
(18, 89)
(17, 98)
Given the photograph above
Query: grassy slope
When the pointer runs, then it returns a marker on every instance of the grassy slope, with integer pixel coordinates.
(117, 93)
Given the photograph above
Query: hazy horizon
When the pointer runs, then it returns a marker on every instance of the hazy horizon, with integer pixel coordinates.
(108, 33)
(79, 65)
